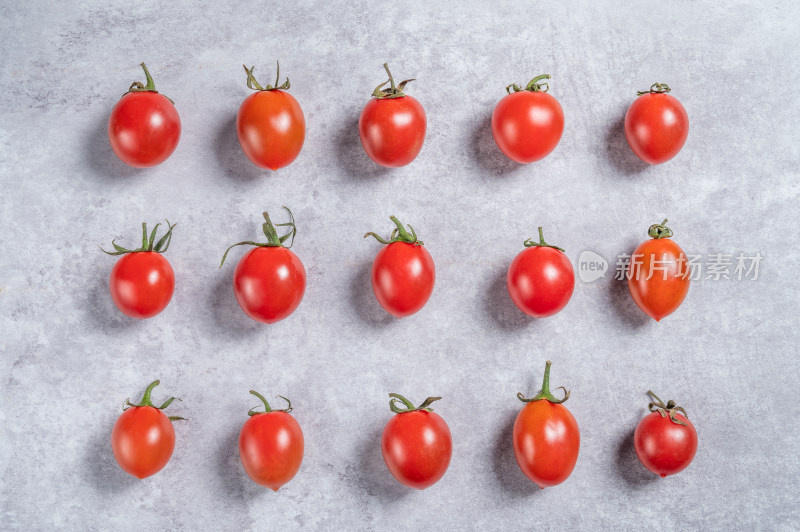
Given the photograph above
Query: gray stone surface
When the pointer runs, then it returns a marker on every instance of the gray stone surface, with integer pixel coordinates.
(69, 358)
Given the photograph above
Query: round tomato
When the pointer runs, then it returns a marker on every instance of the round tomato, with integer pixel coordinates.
(142, 281)
(658, 274)
(540, 279)
(656, 125)
(546, 437)
(665, 440)
(144, 127)
(392, 125)
(271, 445)
(403, 273)
(527, 123)
(269, 281)
(143, 437)
(416, 443)
(270, 124)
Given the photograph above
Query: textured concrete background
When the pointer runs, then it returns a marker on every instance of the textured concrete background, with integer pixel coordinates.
(69, 358)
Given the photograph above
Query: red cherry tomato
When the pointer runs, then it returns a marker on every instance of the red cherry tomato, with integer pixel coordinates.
(403, 273)
(540, 279)
(270, 124)
(546, 437)
(392, 125)
(527, 124)
(656, 125)
(658, 274)
(144, 127)
(665, 440)
(416, 443)
(142, 281)
(143, 437)
(271, 445)
(269, 281)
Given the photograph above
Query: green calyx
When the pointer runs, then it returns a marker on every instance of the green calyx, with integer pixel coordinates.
(541, 243)
(408, 406)
(392, 91)
(267, 408)
(148, 243)
(273, 239)
(399, 234)
(147, 402)
(655, 88)
(660, 230)
(666, 410)
(138, 86)
(253, 84)
(544, 393)
(534, 85)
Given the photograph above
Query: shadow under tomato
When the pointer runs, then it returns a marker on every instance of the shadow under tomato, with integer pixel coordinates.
(229, 467)
(351, 155)
(624, 306)
(510, 476)
(228, 315)
(373, 473)
(102, 311)
(619, 153)
(363, 300)
(100, 466)
(101, 159)
(627, 463)
(501, 309)
(230, 155)
(485, 152)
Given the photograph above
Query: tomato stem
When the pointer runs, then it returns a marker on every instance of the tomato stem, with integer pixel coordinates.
(530, 243)
(532, 86)
(393, 91)
(252, 83)
(399, 234)
(273, 239)
(669, 409)
(146, 401)
(660, 230)
(655, 88)
(138, 86)
(267, 408)
(409, 406)
(545, 393)
(148, 243)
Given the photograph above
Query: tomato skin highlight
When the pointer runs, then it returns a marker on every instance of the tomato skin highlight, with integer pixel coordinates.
(417, 447)
(271, 128)
(527, 126)
(269, 283)
(656, 127)
(403, 276)
(144, 129)
(663, 293)
(665, 447)
(540, 281)
(271, 447)
(546, 442)
(392, 130)
(142, 284)
(142, 441)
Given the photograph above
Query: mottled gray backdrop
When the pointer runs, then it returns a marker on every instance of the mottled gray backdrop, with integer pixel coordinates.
(69, 358)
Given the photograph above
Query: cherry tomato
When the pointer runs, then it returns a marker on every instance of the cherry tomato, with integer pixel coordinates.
(656, 125)
(665, 440)
(144, 127)
(658, 274)
(270, 124)
(403, 273)
(392, 125)
(271, 445)
(269, 281)
(527, 123)
(416, 443)
(143, 437)
(540, 279)
(142, 281)
(546, 437)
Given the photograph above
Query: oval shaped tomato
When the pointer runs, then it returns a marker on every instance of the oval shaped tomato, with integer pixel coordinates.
(144, 127)
(546, 437)
(416, 443)
(270, 280)
(143, 437)
(392, 125)
(665, 440)
(270, 125)
(403, 273)
(540, 279)
(527, 124)
(656, 125)
(271, 445)
(658, 274)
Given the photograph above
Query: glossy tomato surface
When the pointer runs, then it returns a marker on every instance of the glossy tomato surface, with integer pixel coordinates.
(540, 281)
(271, 128)
(144, 129)
(656, 127)
(546, 442)
(658, 277)
(142, 441)
(403, 276)
(527, 125)
(665, 447)
(417, 447)
(269, 283)
(142, 284)
(271, 448)
(392, 130)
